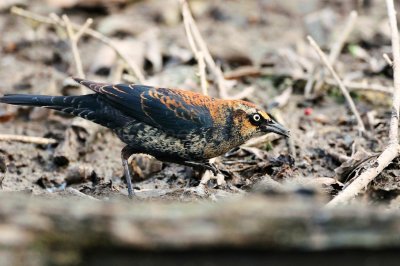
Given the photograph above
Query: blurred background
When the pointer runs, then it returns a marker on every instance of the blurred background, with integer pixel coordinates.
(260, 46)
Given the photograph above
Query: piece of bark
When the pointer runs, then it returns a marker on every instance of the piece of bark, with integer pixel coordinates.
(3, 170)
(144, 166)
(86, 3)
(79, 134)
(68, 150)
(91, 231)
(80, 173)
(238, 222)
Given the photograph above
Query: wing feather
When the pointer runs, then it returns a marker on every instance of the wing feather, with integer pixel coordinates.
(175, 111)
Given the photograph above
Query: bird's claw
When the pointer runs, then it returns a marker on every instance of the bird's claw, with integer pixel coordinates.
(205, 165)
(213, 169)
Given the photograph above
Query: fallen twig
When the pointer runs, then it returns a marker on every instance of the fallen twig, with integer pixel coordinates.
(199, 55)
(27, 139)
(362, 86)
(202, 73)
(350, 85)
(79, 194)
(131, 67)
(199, 46)
(198, 40)
(388, 60)
(74, 39)
(260, 141)
(3, 170)
(202, 55)
(243, 71)
(362, 181)
(392, 151)
(333, 55)
(394, 121)
(342, 87)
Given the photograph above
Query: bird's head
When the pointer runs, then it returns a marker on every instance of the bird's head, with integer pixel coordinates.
(252, 121)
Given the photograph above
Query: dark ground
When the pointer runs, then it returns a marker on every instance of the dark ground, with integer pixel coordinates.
(267, 37)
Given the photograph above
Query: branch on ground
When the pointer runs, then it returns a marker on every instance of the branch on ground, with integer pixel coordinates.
(132, 68)
(393, 149)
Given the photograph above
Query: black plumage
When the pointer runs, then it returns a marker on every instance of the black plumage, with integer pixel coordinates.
(170, 124)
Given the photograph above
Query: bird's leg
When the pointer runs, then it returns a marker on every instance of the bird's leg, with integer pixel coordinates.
(126, 152)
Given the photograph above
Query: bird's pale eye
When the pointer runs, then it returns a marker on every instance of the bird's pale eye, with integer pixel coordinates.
(256, 117)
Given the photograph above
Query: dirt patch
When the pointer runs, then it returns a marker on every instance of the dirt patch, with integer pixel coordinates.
(260, 44)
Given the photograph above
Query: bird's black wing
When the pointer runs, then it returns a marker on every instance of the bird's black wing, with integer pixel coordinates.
(175, 111)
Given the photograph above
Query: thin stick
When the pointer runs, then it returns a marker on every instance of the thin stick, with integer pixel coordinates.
(354, 86)
(188, 30)
(260, 141)
(393, 150)
(342, 87)
(243, 94)
(196, 36)
(198, 54)
(76, 192)
(27, 139)
(131, 66)
(118, 71)
(362, 181)
(351, 85)
(394, 121)
(82, 30)
(334, 53)
(189, 25)
(202, 73)
(387, 59)
(30, 15)
(74, 39)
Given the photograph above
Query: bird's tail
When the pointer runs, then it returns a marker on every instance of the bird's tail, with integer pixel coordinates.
(28, 100)
(91, 107)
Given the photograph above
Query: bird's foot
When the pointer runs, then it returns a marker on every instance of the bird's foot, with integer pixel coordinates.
(213, 174)
(207, 176)
(219, 177)
(205, 165)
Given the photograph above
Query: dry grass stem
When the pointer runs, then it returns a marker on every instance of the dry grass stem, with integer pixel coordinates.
(362, 181)
(79, 194)
(131, 67)
(394, 121)
(260, 141)
(342, 87)
(337, 47)
(27, 139)
(197, 44)
(363, 86)
(202, 73)
(393, 149)
(74, 39)
(199, 55)
(387, 59)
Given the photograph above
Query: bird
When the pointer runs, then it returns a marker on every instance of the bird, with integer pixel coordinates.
(172, 125)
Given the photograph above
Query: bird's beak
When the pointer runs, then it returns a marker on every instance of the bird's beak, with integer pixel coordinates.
(272, 126)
